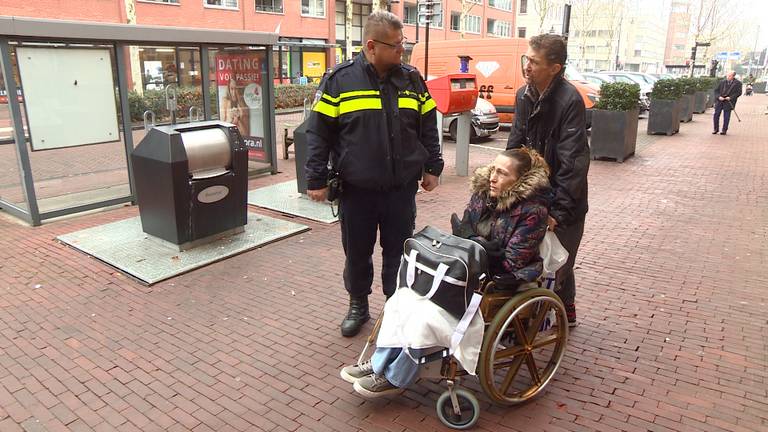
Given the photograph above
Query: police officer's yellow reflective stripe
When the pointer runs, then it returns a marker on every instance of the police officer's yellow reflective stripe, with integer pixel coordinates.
(408, 103)
(325, 108)
(347, 106)
(358, 93)
(330, 98)
(428, 106)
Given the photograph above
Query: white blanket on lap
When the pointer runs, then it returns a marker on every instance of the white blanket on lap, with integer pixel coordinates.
(413, 321)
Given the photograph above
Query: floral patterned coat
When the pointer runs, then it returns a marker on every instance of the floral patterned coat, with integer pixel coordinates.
(518, 218)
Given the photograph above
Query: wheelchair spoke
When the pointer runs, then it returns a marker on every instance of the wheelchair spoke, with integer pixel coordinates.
(534, 371)
(511, 374)
(541, 343)
(520, 331)
(509, 352)
(536, 324)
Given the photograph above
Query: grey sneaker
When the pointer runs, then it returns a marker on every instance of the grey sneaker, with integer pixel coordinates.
(373, 386)
(353, 373)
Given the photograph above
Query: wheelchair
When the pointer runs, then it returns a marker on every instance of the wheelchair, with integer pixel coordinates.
(526, 330)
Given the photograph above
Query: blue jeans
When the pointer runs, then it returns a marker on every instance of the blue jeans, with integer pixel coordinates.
(396, 366)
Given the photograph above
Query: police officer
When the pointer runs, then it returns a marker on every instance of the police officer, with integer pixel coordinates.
(375, 120)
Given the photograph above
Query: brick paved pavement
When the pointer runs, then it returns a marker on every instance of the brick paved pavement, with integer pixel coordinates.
(672, 300)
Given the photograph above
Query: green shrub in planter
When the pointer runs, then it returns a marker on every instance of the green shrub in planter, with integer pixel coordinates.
(704, 85)
(664, 113)
(614, 121)
(687, 99)
(688, 85)
(618, 96)
(293, 95)
(667, 89)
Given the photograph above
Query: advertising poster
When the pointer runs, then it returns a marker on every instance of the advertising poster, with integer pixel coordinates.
(239, 80)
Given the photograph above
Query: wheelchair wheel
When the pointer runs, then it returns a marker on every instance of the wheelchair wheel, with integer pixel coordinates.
(523, 346)
(468, 405)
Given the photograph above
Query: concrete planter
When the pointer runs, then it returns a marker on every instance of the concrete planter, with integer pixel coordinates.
(664, 117)
(686, 108)
(614, 134)
(699, 102)
(711, 97)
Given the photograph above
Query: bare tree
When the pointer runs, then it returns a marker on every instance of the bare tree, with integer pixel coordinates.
(583, 22)
(716, 21)
(379, 5)
(615, 17)
(543, 8)
(466, 7)
(348, 29)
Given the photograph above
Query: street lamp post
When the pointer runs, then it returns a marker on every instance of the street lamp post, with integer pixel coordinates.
(693, 54)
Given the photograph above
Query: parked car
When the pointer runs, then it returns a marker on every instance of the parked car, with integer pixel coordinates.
(597, 79)
(630, 77)
(485, 121)
(643, 104)
(4, 96)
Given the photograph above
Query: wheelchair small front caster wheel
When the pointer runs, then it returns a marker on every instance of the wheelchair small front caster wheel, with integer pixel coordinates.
(468, 406)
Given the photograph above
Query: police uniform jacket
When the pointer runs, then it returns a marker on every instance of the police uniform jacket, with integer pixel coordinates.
(379, 133)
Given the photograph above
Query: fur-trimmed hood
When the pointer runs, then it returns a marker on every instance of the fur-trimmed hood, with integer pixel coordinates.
(530, 184)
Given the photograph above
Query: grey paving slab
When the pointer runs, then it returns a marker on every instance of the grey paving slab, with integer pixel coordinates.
(284, 198)
(126, 247)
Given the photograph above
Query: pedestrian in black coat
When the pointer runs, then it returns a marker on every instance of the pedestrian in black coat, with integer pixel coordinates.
(728, 92)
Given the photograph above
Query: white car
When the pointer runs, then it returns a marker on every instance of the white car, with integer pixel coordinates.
(485, 121)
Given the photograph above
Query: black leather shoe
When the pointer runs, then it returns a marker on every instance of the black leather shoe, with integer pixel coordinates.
(714, 132)
(722, 133)
(356, 316)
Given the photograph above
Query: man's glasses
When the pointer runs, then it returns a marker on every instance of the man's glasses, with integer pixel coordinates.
(398, 45)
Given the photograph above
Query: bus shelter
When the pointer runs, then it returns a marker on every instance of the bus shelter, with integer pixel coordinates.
(76, 97)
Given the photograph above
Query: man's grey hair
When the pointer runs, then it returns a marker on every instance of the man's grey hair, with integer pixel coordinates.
(379, 22)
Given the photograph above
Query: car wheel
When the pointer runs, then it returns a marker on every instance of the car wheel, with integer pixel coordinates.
(452, 129)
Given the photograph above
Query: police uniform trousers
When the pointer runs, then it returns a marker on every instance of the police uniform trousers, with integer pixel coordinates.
(570, 238)
(365, 212)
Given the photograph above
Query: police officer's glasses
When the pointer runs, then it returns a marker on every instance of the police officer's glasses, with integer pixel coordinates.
(398, 45)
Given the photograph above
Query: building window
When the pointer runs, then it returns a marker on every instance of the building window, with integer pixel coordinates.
(499, 28)
(275, 6)
(314, 8)
(410, 13)
(501, 4)
(229, 4)
(360, 14)
(471, 23)
(521, 32)
(523, 6)
(638, 53)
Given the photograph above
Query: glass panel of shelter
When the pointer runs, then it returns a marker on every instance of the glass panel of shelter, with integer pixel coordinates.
(11, 190)
(73, 174)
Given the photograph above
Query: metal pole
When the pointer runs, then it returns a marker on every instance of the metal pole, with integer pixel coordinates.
(121, 50)
(566, 22)
(426, 49)
(268, 102)
(27, 182)
(205, 68)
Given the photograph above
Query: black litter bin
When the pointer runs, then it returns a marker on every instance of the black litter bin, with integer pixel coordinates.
(191, 182)
(300, 154)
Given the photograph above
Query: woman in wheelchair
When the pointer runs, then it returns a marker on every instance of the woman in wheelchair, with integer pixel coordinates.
(507, 215)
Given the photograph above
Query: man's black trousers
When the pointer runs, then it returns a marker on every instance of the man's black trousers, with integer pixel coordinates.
(722, 106)
(363, 213)
(570, 238)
